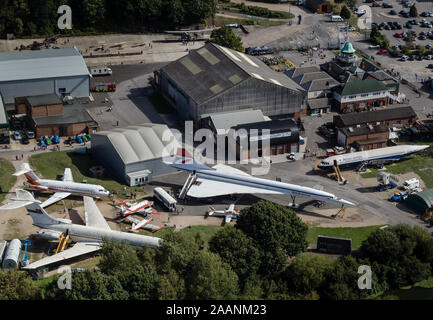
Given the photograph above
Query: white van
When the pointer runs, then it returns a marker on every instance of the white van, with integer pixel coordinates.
(336, 19)
(100, 71)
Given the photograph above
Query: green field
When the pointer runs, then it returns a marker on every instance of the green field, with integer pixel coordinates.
(421, 165)
(7, 179)
(49, 165)
(356, 234)
(220, 21)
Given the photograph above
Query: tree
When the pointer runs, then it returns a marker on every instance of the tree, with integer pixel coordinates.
(413, 12)
(210, 278)
(225, 37)
(171, 286)
(307, 273)
(17, 285)
(345, 12)
(236, 249)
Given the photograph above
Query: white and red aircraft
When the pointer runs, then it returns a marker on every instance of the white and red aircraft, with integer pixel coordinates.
(127, 208)
(145, 224)
(228, 214)
(61, 189)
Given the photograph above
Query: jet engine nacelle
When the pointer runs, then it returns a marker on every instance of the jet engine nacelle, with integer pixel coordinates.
(38, 187)
(49, 234)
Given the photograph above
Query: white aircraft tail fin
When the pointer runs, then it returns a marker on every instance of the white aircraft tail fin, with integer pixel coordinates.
(28, 172)
(185, 161)
(25, 199)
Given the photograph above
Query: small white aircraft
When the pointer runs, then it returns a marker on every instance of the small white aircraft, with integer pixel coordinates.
(88, 237)
(127, 208)
(145, 224)
(228, 214)
(61, 189)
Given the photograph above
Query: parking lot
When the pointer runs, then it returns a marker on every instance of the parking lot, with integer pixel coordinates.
(394, 21)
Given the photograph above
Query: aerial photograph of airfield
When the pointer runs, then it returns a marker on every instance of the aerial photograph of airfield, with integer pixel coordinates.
(262, 139)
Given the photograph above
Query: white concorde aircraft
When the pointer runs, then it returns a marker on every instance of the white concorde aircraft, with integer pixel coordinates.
(219, 180)
(61, 189)
(88, 237)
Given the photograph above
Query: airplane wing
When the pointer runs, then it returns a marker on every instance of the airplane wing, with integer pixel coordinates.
(92, 214)
(67, 176)
(54, 198)
(204, 188)
(78, 249)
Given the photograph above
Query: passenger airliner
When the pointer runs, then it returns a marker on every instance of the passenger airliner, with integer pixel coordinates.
(61, 189)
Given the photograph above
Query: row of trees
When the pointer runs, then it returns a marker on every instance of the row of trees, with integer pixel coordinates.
(31, 17)
(262, 257)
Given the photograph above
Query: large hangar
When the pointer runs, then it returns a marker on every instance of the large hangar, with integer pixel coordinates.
(134, 154)
(217, 79)
(36, 72)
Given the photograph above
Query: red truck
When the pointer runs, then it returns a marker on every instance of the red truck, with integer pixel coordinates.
(104, 87)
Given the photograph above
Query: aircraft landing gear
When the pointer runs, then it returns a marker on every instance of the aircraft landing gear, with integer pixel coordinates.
(340, 213)
(293, 204)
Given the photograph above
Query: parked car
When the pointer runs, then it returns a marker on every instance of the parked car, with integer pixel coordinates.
(25, 140)
(393, 12)
(404, 58)
(386, 5)
(398, 35)
(430, 66)
(17, 135)
(382, 51)
(30, 134)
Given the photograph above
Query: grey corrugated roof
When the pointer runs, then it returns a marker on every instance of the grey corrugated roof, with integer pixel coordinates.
(310, 76)
(319, 103)
(227, 120)
(213, 69)
(72, 113)
(44, 99)
(139, 142)
(364, 129)
(3, 112)
(37, 64)
(296, 72)
(386, 114)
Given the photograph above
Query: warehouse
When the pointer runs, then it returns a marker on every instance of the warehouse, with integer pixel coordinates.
(363, 137)
(284, 137)
(29, 73)
(421, 201)
(216, 79)
(136, 152)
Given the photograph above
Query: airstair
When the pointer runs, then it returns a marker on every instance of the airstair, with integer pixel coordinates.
(62, 243)
(338, 175)
(188, 183)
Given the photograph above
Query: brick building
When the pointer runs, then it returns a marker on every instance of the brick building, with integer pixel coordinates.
(363, 137)
(48, 116)
(360, 95)
(389, 116)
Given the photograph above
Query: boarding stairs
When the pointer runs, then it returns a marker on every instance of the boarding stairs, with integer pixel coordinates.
(188, 183)
(62, 243)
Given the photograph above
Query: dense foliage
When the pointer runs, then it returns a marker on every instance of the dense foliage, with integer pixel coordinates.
(261, 258)
(39, 17)
(225, 37)
(262, 12)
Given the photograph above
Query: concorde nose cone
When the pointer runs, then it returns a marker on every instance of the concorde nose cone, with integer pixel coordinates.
(345, 202)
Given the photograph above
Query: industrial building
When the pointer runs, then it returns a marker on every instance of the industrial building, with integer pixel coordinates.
(36, 72)
(363, 137)
(284, 137)
(135, 152)
(421, 201)
(217, 79)
(4, 122)
(48, 115)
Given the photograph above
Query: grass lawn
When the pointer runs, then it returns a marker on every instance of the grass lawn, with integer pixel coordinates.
(161, 106)
(7, 179)
(356, 234)
(49, 165)
(421, 165)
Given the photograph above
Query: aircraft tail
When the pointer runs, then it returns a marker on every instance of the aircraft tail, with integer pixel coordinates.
(28, 173)
(25, 199)
(185, 161)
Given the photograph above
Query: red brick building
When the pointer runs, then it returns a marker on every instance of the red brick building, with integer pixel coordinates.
(363, 137)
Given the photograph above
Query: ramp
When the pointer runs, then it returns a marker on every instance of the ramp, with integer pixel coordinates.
(188, 183)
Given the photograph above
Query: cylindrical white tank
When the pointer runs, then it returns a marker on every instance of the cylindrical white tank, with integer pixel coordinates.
(12, 255)
(3, 245)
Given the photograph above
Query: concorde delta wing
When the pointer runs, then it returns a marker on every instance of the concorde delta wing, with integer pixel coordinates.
(93, 216)
(204, 188)
(67, 175)
(222, 168)
(78, 249)
(55, 198)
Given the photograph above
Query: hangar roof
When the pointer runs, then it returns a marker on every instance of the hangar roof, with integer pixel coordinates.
(140, 142)
(38, 64)
(212, 69)
(226, 120)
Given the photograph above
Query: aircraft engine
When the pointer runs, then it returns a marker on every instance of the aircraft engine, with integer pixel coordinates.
(49, 234)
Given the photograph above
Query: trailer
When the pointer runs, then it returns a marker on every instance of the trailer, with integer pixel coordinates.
(386, 181)
(101, 71)
(411, 184)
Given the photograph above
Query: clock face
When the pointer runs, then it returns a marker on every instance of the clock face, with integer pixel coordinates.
(365, 20)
